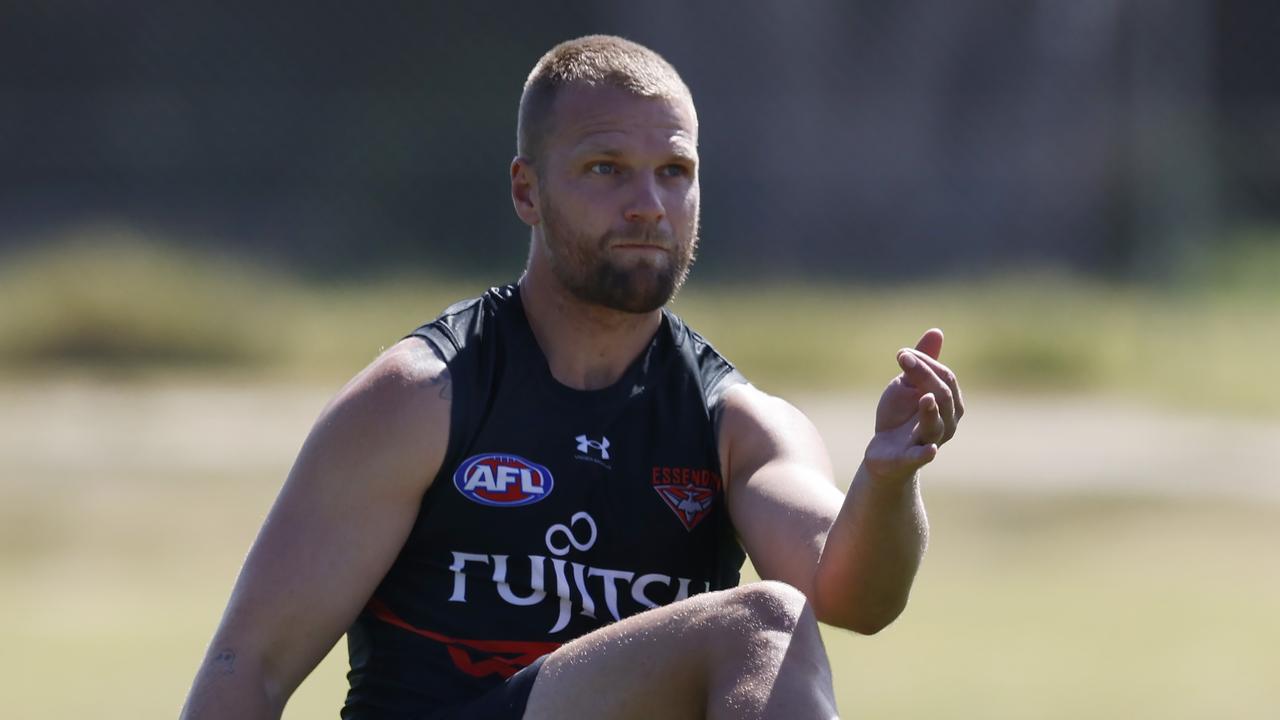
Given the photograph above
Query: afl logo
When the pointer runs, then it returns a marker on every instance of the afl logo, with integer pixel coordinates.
(503, 480)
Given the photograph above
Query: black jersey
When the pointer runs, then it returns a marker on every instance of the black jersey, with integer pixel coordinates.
(555, 512)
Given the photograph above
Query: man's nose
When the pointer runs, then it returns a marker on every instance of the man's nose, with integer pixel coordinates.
(646, 203)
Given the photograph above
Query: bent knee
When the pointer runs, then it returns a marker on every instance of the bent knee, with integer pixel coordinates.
(768, 605)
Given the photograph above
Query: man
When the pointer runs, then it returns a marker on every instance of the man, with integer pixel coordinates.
(532, 507)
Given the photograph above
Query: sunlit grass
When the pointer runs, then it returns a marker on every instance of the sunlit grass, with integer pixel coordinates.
(1047, 607)
(116, 303)
(1038, 333)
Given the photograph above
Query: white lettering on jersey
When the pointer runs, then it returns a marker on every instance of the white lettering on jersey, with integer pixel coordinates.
(642, 582)
(562, 592)
(588, 605)
(683, 592)
(460, 560)
(506, 476)
(535, 575)
(481, 477)
(580, 534)
(526, 482)
(610, 586)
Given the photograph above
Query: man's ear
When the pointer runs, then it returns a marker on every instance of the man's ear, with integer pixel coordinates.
(524, 191)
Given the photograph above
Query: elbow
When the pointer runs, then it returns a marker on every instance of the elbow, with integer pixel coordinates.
(862, 618)
(862, 623)
(870, 625)
(853, 604)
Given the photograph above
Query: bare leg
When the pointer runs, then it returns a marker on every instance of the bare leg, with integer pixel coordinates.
(749, 652)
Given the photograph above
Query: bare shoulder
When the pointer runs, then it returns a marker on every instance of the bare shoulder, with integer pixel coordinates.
(393, 414)
(408, 377)
(409, 365)
(756, 428)
(746, 401)
(750, 415)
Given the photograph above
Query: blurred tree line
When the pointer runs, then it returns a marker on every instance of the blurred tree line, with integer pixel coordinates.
(854, 139)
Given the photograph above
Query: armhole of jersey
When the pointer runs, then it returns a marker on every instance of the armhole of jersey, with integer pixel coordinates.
(456, 337)
(729, 554)
(728, 379)
(443, 343)
(716, 375)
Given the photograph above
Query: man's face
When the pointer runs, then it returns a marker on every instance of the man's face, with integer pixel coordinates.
(618, 196)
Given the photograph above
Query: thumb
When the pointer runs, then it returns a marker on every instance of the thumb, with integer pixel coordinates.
(920, 455)
(931, 343)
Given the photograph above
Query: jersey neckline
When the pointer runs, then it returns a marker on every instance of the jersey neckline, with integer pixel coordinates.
(632, 381)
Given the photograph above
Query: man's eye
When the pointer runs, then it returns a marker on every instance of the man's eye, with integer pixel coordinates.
(603, 168)
(674, 171)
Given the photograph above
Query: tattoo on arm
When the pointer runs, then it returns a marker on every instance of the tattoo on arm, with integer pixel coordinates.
(224, 663)
(445, 382)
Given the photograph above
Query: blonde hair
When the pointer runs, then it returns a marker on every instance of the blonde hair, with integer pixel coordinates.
(591, 60)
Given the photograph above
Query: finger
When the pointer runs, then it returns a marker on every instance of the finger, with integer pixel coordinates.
(930, 343)
(945, 374)
(897, 405)
(929, 427)
(890, 459)
(921, 455)
(918, 372)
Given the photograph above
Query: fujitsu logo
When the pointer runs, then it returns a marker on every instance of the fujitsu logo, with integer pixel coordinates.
(586, 444)
(570, 583)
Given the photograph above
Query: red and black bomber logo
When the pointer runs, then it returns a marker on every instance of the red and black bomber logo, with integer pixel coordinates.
(689, 492)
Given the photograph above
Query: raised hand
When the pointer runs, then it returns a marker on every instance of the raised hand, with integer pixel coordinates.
(918, 412)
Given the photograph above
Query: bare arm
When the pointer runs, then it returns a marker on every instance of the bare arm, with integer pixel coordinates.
(338, 524)
(855, 557)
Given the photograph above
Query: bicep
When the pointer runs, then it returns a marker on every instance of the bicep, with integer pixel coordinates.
(780, 491)
(342, 516)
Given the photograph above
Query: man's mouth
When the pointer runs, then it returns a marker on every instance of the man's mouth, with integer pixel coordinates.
(640, 246)
(636, 239)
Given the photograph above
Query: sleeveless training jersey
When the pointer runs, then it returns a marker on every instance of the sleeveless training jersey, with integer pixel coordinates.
(555, 512)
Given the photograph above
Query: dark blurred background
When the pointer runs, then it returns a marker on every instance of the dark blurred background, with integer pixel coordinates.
(869, 140)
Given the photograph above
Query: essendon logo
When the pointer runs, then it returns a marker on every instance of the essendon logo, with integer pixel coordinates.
(689, 493)
(503, 480)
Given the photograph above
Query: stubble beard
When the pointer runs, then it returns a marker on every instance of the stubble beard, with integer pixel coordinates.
(583, 267)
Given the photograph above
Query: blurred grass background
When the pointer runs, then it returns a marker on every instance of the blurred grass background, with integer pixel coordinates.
(105, 300)
(151, 400)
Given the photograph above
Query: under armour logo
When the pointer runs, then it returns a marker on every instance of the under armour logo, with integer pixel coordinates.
(585, 443)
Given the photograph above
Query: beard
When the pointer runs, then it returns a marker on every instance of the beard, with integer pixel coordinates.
(584, 267)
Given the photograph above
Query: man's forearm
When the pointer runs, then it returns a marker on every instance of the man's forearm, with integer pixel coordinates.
(871, 554)
(231, 687)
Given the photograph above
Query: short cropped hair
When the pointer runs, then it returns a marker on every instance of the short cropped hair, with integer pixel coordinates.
(592, 60)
